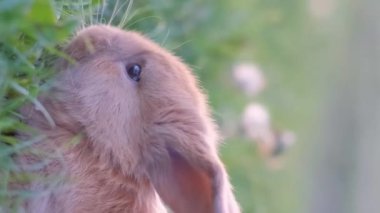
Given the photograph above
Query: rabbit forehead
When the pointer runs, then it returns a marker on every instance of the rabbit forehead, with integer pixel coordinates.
(98, 38)
(107, 44)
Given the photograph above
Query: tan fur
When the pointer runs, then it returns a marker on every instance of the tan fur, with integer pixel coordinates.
(137, 139)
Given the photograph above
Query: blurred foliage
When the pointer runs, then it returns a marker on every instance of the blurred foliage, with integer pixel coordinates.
(211, 36)
(30, 33)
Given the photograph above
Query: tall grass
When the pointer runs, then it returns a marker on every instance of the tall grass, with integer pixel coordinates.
(31, 32)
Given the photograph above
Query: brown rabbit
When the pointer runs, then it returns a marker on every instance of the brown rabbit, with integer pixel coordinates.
(146, 134)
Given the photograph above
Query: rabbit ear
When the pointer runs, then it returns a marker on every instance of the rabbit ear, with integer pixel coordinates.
(80, 47)
(197, 185)
(84, 44)
(184, 187)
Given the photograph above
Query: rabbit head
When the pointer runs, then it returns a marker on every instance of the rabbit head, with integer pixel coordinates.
(143, 112)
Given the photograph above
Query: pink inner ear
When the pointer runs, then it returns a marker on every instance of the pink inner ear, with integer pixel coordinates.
(187, 188)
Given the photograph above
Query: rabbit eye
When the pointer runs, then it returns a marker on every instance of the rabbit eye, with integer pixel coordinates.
(134, 72)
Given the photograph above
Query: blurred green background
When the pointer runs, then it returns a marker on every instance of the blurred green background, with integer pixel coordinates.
(320, 59)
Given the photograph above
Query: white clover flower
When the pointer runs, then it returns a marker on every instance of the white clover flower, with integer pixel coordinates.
(249, 78)
(256, 122)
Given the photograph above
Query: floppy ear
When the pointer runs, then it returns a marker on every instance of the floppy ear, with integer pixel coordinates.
(183, 186)
(83, 45)
(191, 179)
